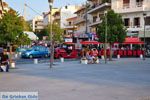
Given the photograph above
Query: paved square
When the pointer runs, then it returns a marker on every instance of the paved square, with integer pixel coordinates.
(123, 79)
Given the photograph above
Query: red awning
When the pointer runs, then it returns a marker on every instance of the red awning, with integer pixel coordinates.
(132, 41)
(89, 42)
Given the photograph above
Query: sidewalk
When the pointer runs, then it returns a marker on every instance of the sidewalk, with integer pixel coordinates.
(124, 79)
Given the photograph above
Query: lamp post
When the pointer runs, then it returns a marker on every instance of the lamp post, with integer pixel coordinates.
(51, 38)
(105, 44)
(144, 15)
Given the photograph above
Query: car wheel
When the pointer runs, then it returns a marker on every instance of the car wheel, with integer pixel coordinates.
(30, 56)
(46, 55)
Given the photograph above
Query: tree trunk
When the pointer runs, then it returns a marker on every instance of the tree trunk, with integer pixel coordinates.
(110, 58)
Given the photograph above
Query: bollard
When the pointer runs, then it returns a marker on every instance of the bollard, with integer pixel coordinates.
(118, 56)
(84, 61)
(12, 65)
(35, 61)
(141, 56)
(102, 57)
(61, 59)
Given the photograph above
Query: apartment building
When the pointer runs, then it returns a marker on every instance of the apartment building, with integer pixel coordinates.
(97, 9)
(57, 17)
(71, 27)
(46, 16)
(61, 16)
(37, 23)
(3, 7)
(134, 12)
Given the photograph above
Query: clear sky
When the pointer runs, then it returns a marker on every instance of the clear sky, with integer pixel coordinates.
(39, 5)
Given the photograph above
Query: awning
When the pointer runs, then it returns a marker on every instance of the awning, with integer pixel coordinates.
(89, 42)
(132, 41)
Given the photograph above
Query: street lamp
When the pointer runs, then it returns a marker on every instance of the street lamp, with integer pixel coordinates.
(51, 38)
(105, 44)
(144, 15)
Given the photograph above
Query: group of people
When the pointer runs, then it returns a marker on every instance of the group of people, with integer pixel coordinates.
(4, 61)
(92, 56)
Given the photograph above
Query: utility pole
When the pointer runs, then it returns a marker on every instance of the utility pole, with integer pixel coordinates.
(144, 15)
(24, 12)
(51, 37)
(105, 44)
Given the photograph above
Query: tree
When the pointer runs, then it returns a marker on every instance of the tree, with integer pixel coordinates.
(10, 26)
(42, 33)
(116, 31)
(56, 31)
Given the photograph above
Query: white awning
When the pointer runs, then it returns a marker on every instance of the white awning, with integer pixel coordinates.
(31, 35)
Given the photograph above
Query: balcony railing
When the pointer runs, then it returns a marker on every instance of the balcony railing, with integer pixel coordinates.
(98, 7)
(79, 20)
(126, 5)
(130, 7)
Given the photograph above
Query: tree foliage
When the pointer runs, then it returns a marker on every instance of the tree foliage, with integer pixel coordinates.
(57, 32)
(115, 28)
(22, 39)
(10, 26)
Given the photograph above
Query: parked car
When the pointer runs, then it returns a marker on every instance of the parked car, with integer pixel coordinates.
(37, 51)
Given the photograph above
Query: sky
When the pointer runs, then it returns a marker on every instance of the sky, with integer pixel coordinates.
(39, 5)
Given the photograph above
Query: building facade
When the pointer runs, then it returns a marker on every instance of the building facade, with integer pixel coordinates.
(46, 16)
(136, 15)
(3, 7)
(61, 16)
(37, 23)
(97, 9)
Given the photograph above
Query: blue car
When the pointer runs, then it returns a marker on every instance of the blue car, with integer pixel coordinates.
(38, 51)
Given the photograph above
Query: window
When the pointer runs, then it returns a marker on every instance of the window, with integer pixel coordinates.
(137, 22)
(69, 23)
(66, 7)
(147, 20)
(127, 22)
(139, 3)
(126, 3)
(94, 18)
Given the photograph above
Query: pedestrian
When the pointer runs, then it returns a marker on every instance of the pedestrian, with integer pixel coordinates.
(4, 61)
(89, 57)
(94, 54)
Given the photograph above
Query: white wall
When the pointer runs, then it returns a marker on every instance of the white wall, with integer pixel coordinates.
(67, 13)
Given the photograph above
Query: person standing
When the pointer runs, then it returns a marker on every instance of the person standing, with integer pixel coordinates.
(5, 61)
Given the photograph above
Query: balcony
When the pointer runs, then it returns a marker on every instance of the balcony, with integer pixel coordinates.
(57, 17)
(99, 7)
(70, 27)
(129, 8)
(95, 22)
(80, 20)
